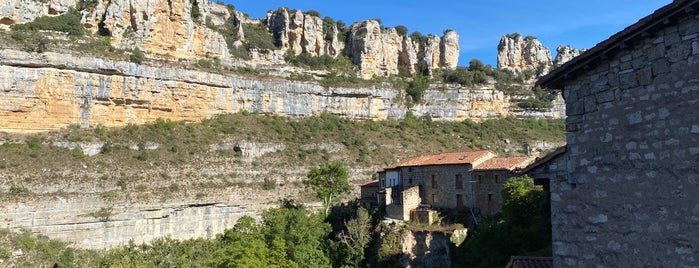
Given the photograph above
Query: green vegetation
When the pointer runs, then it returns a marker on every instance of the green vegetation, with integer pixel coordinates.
(402, 30)
(522, 229)
(257, 36)
(137, 56)
(329, 181)
(195, 13)
(68, 23)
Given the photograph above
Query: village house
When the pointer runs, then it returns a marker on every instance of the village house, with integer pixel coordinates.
(624, 191)
(464, 181)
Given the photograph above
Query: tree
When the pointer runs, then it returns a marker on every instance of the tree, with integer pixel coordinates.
(354, 240)
(402, 30)
(475, 65)
(328, 181)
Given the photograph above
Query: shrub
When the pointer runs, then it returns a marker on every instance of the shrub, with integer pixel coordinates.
(417, 87)
(257, 36)
(24, 241)
(137, 56)
(4, 253)
(269, 184)
(402, 30)
(196, 13)
(68, 23)
(313, 13)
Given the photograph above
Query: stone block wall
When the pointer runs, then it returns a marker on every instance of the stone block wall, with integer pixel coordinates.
(487, 189)
(630, 197)
(444, 193)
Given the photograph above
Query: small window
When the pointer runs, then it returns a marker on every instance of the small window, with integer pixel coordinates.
(410, 181)
(410, 169)
(458, 181)
(435, 199)
(434, 182)
(490, 197)
(497, 179)
(480, 178)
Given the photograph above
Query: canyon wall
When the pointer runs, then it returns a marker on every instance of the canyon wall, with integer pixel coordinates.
(527, 54)
(49, 91)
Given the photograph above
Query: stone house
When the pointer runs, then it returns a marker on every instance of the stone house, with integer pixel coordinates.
(625, 191)
(369, 194)
(447, 181)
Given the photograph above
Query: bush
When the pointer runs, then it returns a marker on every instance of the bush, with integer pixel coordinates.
(24, 241)
(417, 87)
(137, 56)
(257, 36)
(402, 30)
(196, 13)
(68, 23)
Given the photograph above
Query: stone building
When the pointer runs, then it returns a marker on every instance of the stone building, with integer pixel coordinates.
(625, 191)
(447, 181)
(369, 194)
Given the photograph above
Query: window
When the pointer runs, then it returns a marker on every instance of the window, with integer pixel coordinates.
(480, 178)
(410, 181)
(458, 181)
(435, 199)
(497, 179)
(434, 182)
(410, 169)
(490, 197)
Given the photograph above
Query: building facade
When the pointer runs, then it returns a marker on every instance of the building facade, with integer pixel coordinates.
(629, 196)
(447, 181)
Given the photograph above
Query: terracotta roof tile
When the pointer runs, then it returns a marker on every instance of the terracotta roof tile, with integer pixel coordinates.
(530, 262)
(370, 183)
(453, 158)
(506, 163)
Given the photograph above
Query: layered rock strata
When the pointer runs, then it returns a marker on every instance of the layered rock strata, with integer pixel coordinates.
(50, 91)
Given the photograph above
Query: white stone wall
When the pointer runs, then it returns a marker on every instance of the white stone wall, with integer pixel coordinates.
(630, 197)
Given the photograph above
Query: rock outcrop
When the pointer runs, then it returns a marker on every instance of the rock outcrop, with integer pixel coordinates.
(377, 50)
(529, 55)
(523, 54)
(50, 91)
(565, 54)
(23, 11)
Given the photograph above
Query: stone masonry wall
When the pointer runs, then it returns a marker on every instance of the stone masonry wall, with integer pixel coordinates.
(488, 190)
(445, 191)
(630, 199)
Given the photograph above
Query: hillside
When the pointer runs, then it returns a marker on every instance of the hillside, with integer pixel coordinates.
(132, 120)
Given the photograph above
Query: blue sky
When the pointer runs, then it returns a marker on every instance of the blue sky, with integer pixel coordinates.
(481, 23)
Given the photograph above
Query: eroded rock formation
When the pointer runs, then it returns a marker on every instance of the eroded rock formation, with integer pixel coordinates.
(523, 54)
(565, 54)
(529, 55)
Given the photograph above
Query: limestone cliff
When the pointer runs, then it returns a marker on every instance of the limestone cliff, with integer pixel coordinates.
(565, 54)
(523, 54)
(50, 91)
(528, 54)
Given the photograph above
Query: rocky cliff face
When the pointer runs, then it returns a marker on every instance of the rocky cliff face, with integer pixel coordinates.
(528, 54)
(51, 91)
(565, 54)
(523, 54)
(377, 50)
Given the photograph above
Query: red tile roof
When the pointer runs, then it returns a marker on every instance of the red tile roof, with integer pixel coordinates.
(506, 163)
(453, 158)
(529, 262)
(374, 183)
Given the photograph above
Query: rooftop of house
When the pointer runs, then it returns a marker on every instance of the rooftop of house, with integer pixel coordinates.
(452, 158)
(506, 163)
(621, 40)
(529, 262)
(479, 160)
(374, 183)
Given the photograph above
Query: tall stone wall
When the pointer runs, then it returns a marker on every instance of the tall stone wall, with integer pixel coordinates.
(444, 193)
(630, 197)
(487, 189)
